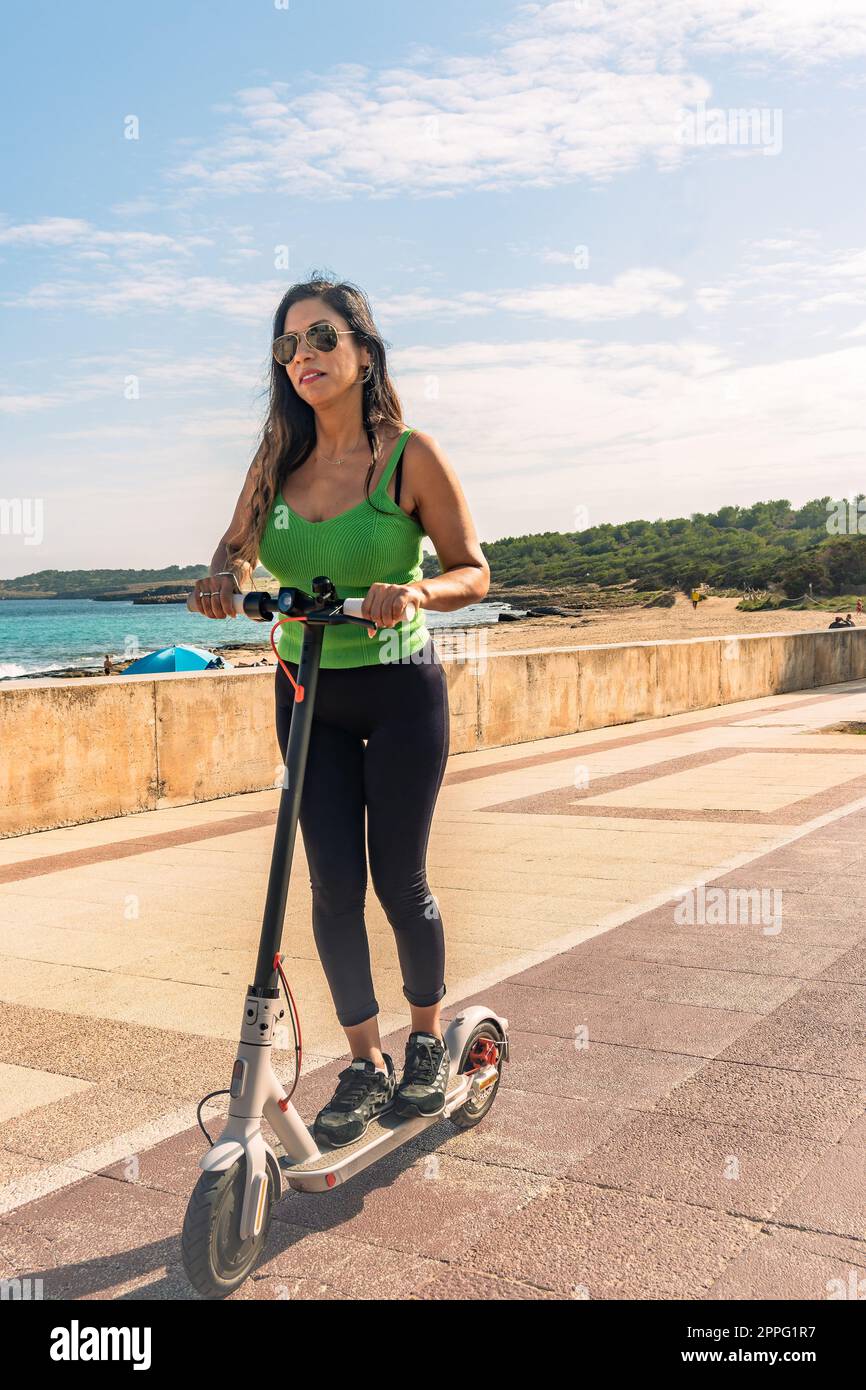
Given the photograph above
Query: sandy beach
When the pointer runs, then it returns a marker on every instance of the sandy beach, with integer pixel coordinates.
(715, 617)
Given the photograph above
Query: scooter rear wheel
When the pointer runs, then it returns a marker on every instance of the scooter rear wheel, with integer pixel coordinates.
(484, 1038)
(215, 1258)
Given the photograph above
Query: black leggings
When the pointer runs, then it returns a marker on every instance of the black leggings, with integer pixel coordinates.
(401, 710)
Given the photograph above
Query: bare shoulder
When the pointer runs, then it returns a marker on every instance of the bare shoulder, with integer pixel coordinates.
(430, 485)
(436, 498)
(427, 464)
(421, 445)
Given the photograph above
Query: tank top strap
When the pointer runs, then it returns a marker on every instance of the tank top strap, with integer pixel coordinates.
(395, 458)
(398, 474)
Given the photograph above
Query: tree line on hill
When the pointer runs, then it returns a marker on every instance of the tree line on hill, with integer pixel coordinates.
(103, 583)
(822, 544)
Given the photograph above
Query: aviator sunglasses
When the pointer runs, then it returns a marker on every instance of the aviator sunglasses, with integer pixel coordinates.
(321, 337)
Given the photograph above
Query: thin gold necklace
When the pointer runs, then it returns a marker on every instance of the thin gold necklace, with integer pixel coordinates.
(348, 451)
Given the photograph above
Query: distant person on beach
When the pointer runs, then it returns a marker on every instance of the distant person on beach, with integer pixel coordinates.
(859, 607)
(106, 665)
(838, 621)
(849, 621)
(696, 595)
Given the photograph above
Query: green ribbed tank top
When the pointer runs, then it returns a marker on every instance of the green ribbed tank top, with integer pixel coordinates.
(355, 549)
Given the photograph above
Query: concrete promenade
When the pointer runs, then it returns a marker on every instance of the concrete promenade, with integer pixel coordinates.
(683, 1114)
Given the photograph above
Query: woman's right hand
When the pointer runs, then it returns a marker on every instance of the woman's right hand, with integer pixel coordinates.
(213, 596)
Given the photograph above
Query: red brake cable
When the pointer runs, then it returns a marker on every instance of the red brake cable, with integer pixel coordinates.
(296, 1027)
(299, 689)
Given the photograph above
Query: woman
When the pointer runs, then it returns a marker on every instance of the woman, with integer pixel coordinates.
(340, 487)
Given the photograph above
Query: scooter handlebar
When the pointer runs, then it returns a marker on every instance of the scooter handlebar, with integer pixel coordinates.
(351, 607)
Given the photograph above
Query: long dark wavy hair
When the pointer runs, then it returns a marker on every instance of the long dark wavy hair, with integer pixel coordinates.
(288, 435)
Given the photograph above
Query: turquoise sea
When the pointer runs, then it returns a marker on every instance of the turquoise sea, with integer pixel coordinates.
(38, 636)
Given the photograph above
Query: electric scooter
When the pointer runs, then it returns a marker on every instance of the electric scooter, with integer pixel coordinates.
(226, 1223)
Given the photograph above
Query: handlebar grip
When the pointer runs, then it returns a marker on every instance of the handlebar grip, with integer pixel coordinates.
(352, 608)
(237, 604)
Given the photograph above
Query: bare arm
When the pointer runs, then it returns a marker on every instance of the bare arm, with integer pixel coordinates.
(214, 592)
(446, 519)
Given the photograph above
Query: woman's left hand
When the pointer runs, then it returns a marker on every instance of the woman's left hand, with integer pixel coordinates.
(385, 604)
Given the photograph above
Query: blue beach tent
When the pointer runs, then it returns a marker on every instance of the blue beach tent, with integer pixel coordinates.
(177, 659)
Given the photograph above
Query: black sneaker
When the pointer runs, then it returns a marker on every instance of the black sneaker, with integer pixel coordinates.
(425, 1077)
(363, 1093)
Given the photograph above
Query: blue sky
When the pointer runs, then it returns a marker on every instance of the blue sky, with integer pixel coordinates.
(599, 313)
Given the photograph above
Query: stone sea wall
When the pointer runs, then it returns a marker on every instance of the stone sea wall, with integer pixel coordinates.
(84, 750)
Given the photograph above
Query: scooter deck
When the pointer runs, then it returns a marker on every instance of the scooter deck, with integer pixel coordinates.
(387, 1131)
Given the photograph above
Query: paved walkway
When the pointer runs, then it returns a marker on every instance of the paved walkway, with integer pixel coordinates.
(683, 1114)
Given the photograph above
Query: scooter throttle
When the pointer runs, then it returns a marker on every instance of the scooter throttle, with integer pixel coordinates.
(352, 608)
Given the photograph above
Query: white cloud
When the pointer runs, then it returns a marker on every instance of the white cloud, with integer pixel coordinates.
(163, 380)
(797, 275)
(711, 298)
(636, 291)
(563, 91)
(420, 303)
(136, 207)
(84, 236)
(802, 33)
(496, 124)
(631, 430)
(143, 287)
(149, 288)
(23, 403)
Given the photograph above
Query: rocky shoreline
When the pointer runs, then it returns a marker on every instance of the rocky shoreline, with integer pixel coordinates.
(263, 656)
(638, 622)
(529, 609)
(118, 667)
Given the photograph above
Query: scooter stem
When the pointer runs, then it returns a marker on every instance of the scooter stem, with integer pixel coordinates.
(266, 981)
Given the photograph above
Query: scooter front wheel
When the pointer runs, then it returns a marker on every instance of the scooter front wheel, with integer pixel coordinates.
(216, 1259)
